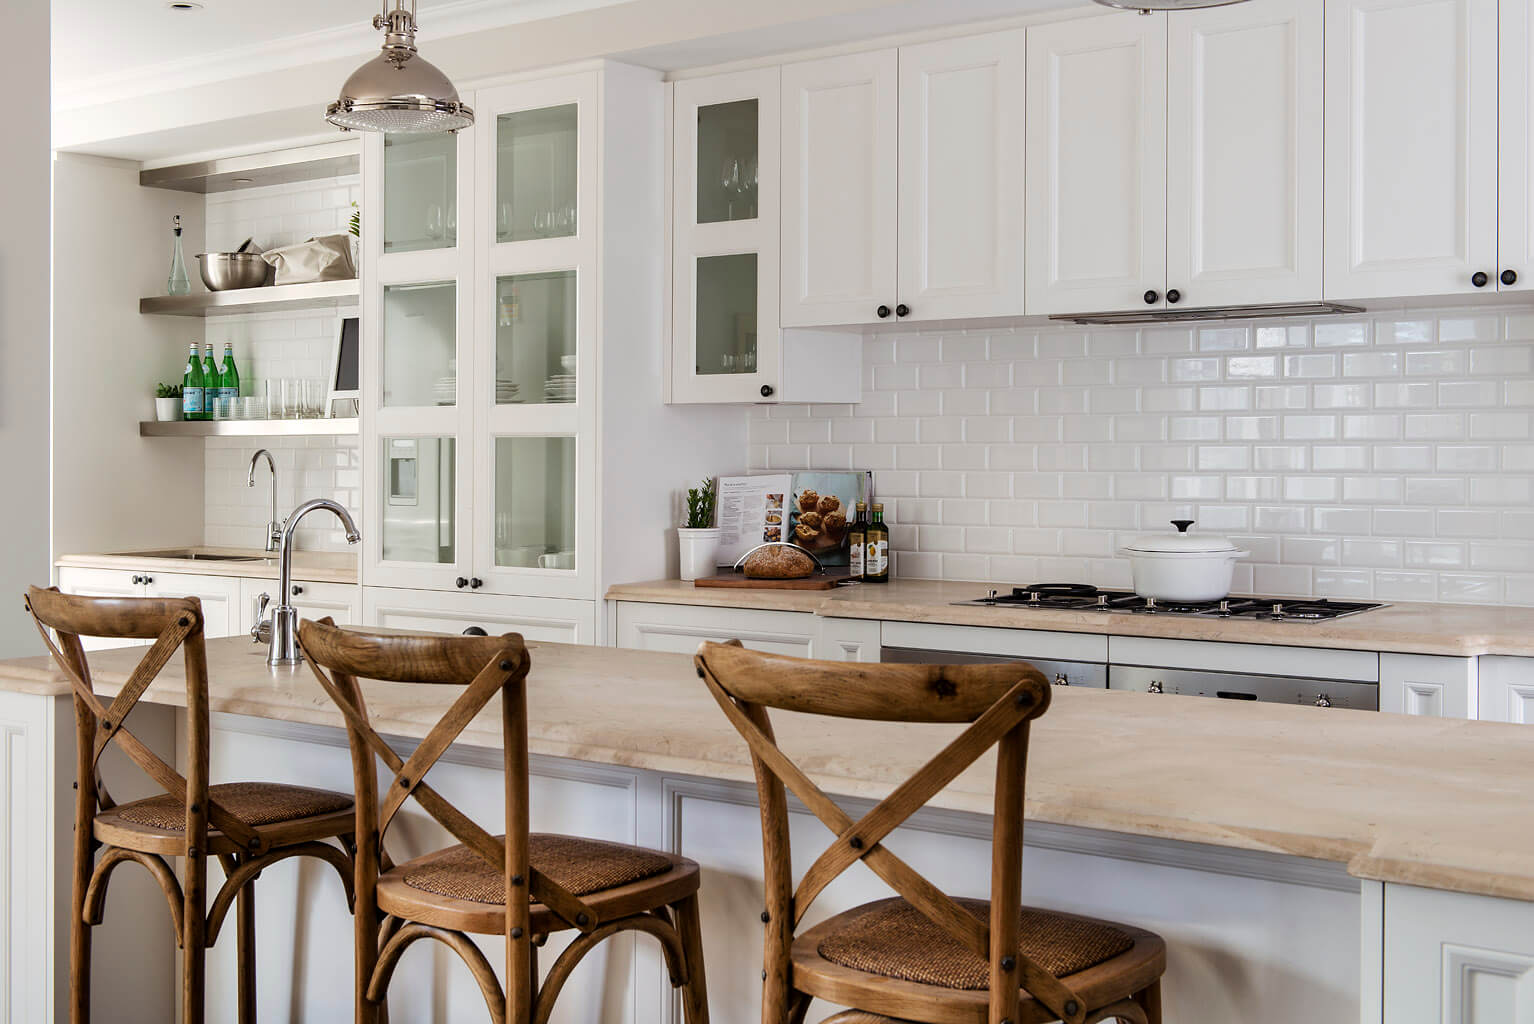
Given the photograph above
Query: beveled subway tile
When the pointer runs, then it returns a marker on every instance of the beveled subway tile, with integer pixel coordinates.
(1278, 336)
(1280, 458)
(1225, 398)
(1109, 400)
(1432, 554)
(1344, 333)
(1465, 458)
(1342, 396)
(1310, 428)
(1408, 458)
(1436, 490)
(1486, 426)
(1226, 518)
(1340, 457)
(1224, 339)
(1466, 522)
(1283, 580)
(1344, 584)
(1403, 332)
(1503, 360)
(1253, 488)
(1311, 488)
(1281, 396)
(1312, 365)
(1396, 395)
(1341, 520)
(1371, 364)
(1405, 586)
(1251, 367)
(1194, 370)
(1468, 328)
(1469, 588)
(1503, 556)
(1251, 428)
(1434, 426)
(1372, 489)
(1437, 362)
(1403, 522)
(1169, 399)
(1383, 554)
(1223, 458)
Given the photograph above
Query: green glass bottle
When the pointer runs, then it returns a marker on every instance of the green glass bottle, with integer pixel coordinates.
(209, 382)
(229, 377)
(193, 386)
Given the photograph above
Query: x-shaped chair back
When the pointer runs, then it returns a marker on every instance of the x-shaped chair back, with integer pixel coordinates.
(996, 701)
(485, 667)
(171, 623)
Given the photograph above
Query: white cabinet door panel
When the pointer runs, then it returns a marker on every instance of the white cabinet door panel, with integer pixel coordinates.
(961, 174)
(219, 596)
(1506, 689)
(1420, 684)
(680, 628)
(1411, 147)
(536, 618)
(341, 601)
(1515, 146)
(103, 583)
(839, 171)
(1096, 157)
(1244, 103)
(1452, 958)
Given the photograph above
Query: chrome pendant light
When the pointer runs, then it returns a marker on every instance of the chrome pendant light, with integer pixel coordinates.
(1147, 6)
(399, 91)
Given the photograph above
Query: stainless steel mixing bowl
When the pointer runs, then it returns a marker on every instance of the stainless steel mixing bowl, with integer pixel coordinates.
(222, 271)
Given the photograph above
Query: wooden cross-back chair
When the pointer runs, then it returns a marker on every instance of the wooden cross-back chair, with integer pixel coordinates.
(923, 956)
(247, 826)
(521, 885)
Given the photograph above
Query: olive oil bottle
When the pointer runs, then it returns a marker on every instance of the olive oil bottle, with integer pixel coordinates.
(876, 550)
(857, 542)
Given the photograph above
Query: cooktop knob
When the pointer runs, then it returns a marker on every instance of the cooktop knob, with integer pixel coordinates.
(1323, 701)
(1154, 687)
(1060, 679)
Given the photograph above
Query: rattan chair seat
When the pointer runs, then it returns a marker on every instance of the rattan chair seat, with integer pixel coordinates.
(255, 803)
(583, 866)
(892, 939)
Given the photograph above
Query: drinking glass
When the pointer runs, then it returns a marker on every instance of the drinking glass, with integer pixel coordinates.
(253, 408)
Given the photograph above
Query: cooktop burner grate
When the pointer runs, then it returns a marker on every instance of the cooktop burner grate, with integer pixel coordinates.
(1085, 597)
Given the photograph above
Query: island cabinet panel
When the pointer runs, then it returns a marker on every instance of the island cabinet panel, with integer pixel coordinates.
(1506, 689)
(681, 628)
(1420, 684)
(546, 619)
(1452, 958)
(1411, 147)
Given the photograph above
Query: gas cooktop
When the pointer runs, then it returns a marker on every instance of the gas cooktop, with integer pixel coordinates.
(1085, 597)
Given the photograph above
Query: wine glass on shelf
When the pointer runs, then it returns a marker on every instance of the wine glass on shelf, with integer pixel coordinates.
(748, 186)
(433, 221)
(729, 182)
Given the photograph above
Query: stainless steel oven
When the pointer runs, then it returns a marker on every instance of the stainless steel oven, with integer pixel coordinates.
(1061, 673)
(1321, 693)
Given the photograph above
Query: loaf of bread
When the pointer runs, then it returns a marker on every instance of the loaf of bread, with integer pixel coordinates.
(779, 562)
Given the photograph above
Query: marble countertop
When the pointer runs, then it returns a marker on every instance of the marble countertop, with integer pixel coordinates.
(1442, 803)
(309, 566)
(1450, 629)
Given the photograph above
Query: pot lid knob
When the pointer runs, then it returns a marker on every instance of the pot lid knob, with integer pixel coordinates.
(1182, 524)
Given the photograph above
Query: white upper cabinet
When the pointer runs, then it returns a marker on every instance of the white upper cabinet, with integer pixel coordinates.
(839, 189)
(961, 172)
(1515, 230)
(1244, 136)
(1411, 147)
(1096, 160)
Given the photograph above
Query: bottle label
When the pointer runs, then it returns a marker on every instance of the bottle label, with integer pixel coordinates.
(855, 556)
(878, 558)
(229, 392)
(191, 401)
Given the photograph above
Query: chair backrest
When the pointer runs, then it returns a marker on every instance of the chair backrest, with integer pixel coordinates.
(484, 667)
(172, 623)
(997, 702)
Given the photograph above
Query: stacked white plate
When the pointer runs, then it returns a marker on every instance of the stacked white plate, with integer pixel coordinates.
(507, 391)
(445, 391)
(560, 387)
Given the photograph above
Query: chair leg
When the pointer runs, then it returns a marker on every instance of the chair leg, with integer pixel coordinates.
(1149, 999)
(245, 909)
(80, 932)
(695, 991)
(194, 943)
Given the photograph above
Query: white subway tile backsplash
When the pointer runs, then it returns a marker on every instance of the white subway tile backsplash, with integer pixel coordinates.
(1388, 457)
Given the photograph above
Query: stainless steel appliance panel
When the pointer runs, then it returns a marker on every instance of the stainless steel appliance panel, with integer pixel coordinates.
(1333, 693)
(1061, 673)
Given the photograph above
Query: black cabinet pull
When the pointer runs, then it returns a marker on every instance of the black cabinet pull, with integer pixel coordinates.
(148, 579)
(1173, 295)
(138, 579)
(902, 310)
(1151, 296)
(1509, 277)
(475, 583)
(297, 590)
(1479, 279)
(462, 582)
(882, 312)
(766, 390)
(475, 631)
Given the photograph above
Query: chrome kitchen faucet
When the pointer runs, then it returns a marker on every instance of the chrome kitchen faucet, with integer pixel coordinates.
(282, 629)
(273, 525)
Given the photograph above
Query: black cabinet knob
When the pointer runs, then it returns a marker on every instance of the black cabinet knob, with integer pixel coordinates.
(147, 579)
(138, 579)
(766, 390)
(462, 582)
(1479, 279)
(882, 312)
(1509, 277)
(475, 631)
(297, 590)
(1151, 296)
(1173, 295)
(475, 583)
(902, 310)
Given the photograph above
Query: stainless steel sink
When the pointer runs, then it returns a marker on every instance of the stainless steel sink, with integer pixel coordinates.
(191, 554)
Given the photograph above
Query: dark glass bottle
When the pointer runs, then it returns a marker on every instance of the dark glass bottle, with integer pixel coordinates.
(857, 542)
(876, 556)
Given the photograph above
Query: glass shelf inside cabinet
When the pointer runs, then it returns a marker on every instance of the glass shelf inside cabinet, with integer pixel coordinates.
(535, 338)
(419, 500)
(726, 314)
(535, 502)
(536, 174)
(420, 192)
(420, 344)
(727, 161)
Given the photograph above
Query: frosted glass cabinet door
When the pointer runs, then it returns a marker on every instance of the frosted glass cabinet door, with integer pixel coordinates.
(420, 343)
(535, 338)
(419, 500)
(420, 192)
(537, 174)
(535, 491)
(728, 170)
(726, 314)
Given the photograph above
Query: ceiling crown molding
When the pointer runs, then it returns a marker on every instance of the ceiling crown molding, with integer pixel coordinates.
(441, 21)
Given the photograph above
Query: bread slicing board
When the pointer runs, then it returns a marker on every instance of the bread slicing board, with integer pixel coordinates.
(736, 580)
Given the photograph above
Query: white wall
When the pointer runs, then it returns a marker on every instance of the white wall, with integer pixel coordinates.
(1385, 455)
(112, 489)
(24, 171)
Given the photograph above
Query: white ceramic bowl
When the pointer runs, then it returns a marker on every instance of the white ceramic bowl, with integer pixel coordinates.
(1182, 567)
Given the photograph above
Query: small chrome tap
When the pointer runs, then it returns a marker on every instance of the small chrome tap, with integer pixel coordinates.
(273, 525)
(284, 625)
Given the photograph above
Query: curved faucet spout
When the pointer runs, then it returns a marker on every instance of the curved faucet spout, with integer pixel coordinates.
(273, 525)
(284, 649)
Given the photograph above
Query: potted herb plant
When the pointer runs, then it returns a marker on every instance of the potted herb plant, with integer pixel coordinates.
(167, 402)
(699, 539)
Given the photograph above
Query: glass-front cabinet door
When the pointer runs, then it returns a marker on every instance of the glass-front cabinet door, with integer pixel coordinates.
(725, 340)
(418, 339)
(536, 338)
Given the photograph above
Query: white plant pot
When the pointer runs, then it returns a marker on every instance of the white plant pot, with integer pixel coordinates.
(699, 551)
(167, 410)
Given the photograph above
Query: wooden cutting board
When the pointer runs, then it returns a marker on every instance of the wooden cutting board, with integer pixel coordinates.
(737, 580)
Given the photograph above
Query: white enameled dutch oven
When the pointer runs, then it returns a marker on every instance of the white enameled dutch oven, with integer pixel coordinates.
(1182, 566)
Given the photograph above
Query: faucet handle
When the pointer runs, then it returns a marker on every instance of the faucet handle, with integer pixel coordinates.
(261, 632)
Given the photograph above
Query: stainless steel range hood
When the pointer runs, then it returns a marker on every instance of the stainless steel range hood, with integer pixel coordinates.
(1174, 316)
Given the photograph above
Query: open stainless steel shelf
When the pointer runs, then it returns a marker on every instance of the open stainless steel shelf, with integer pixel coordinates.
(246, 428)
(226, 174)
(321, 295)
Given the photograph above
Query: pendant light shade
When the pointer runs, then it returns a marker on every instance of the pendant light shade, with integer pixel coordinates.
(399, 91)
(1147, 6)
